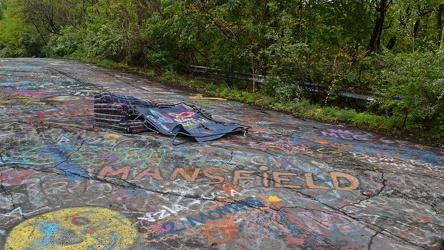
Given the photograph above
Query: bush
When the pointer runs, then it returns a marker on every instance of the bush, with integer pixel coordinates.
(63, 45)
(301, 106)
(280, 89)
(32, 45)
(369, 120)
(413, 87)
(6, 50)
(346, 115)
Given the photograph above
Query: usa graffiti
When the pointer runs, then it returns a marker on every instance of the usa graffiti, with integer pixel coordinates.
(168, 228)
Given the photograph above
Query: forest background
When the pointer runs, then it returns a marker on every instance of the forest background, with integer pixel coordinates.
(389, 49)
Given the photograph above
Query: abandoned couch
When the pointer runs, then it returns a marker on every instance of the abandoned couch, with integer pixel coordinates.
(128, 114)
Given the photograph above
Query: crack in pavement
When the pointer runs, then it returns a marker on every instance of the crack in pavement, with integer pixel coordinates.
(370, 243)
(10, 197)
(384, 185)
(68, 157)
(127, 184)
(16, 208)
(231, 157)
(70, 76)
(337, 210)
(195, 197)
(366, 224)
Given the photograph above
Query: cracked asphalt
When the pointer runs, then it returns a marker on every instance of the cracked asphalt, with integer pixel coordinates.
(287, 184)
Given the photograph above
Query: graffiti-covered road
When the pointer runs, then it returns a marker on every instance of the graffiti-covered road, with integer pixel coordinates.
(287, 184)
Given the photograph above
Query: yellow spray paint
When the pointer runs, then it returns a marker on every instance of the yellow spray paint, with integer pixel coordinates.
(274, 198)
(74, 228)
(200, 96)
(64, 98)
(112, 138)
(111, 135)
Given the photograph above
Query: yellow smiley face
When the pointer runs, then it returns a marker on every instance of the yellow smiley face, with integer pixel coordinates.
(74, 228)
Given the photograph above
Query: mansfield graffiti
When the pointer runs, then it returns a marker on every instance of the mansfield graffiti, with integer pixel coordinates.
(191, 173)
(288, 184)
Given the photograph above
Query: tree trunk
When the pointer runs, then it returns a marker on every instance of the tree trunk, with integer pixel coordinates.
(439, 24)
(375, 40)
(416, 28)
(391, 42)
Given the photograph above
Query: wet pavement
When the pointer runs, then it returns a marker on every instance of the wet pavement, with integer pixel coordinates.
(287, 184)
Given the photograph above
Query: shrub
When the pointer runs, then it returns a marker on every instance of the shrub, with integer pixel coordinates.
(346, 115)
(369, 120)
(32, 44)
(281, 89)
(63, 45)
(413, 87)
(300, 107)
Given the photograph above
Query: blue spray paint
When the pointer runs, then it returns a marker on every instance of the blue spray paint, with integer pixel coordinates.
(49, 228)
(295, 231)
(63, 162)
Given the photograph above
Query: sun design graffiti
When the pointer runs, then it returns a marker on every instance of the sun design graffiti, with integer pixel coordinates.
(74, 228)
(182, 115)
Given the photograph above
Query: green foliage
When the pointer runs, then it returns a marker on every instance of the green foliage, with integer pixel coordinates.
(281, 89)
(107, 43)
(365, 119)
(64, 45)
(346, 115)
(302, 107)
(169, 75)
(150, 72)
(2, 8)
(13, 24)
(418, 80)
(32, 45)
(7, 50)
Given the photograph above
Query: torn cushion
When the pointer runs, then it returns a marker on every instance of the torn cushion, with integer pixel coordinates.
(187, 121)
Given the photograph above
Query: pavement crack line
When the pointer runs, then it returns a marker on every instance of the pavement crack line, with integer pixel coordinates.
(370, 226)
(195, 197)
(377, 229)
(11, 199)
(231, 157)
(7, 193)
(68, 157)
(384, 185)
(126, 184)
(370, 242)
(257, 173)
(2, 160)
(68, 76)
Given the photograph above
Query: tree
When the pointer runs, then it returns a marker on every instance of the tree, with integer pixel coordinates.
(440, 25)
(381, 8)
(2, 8)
